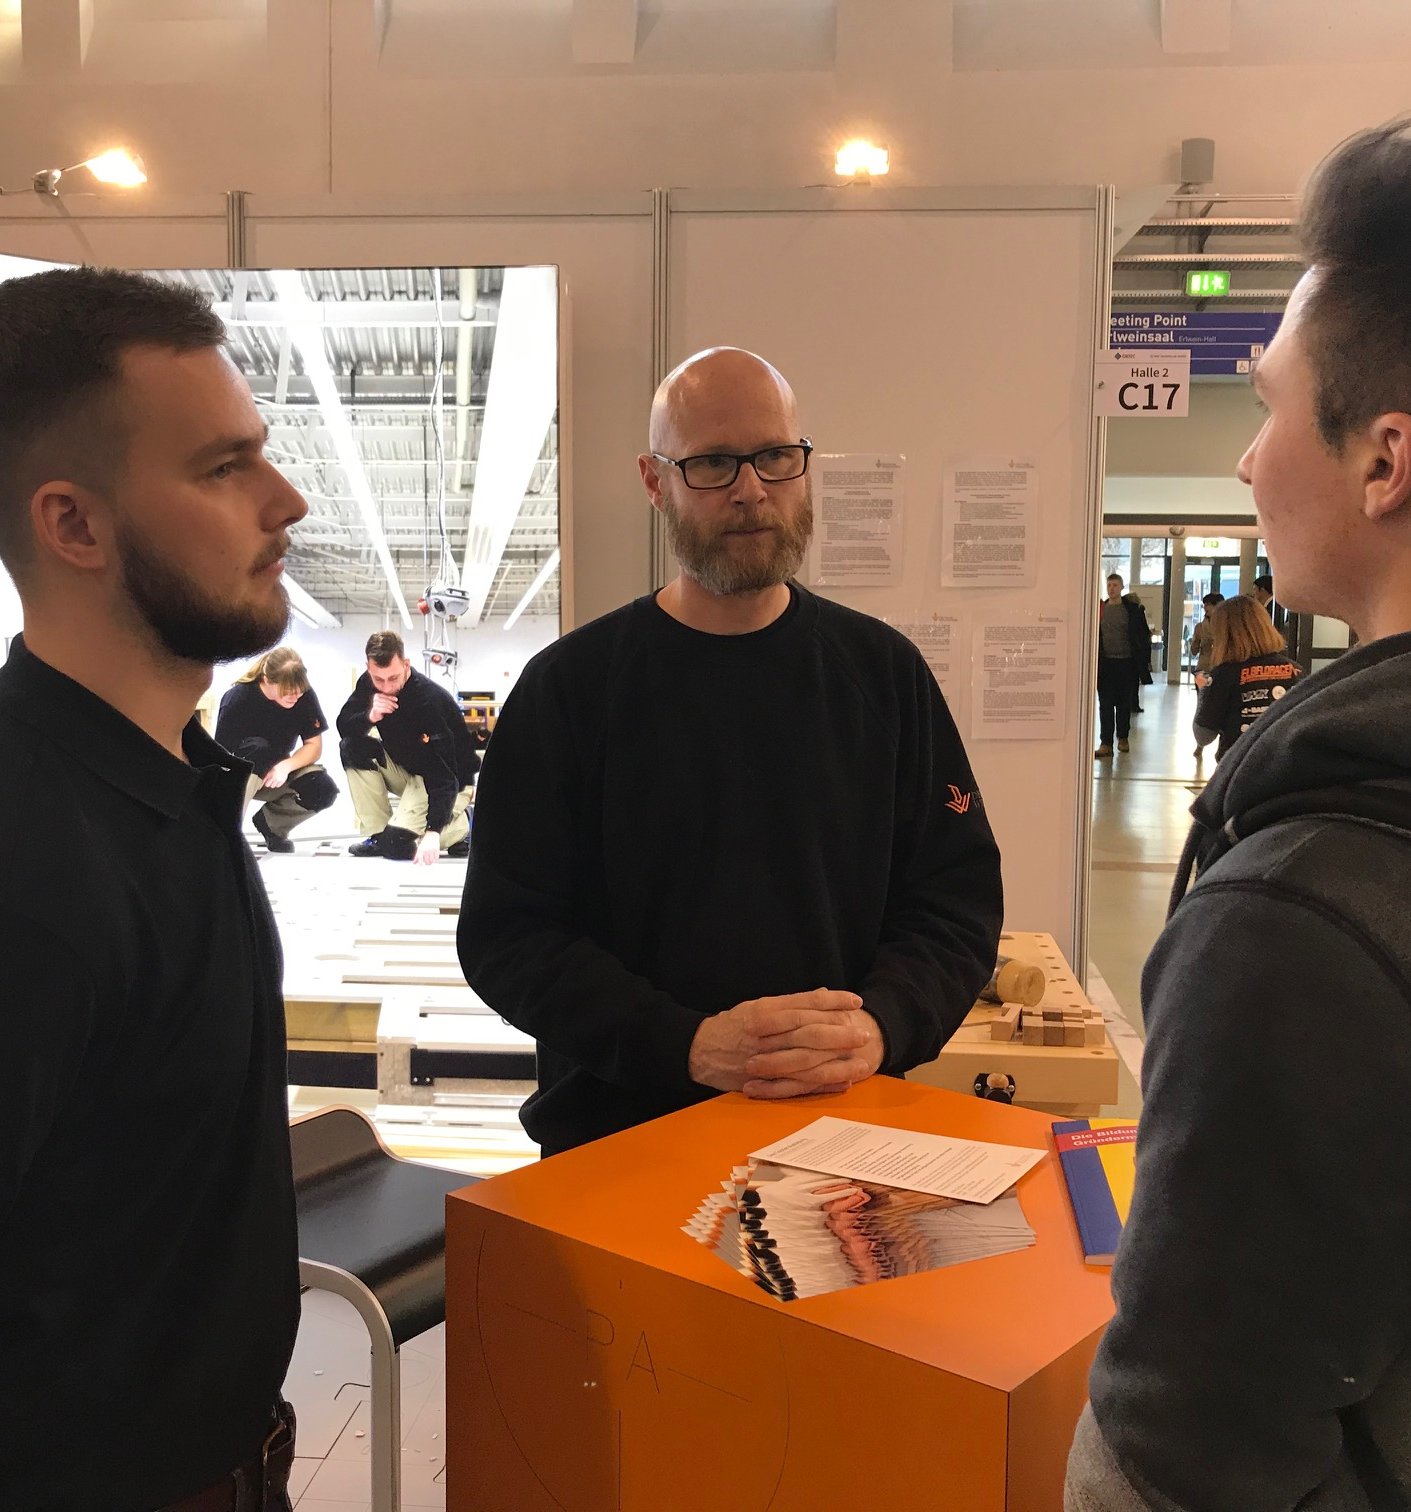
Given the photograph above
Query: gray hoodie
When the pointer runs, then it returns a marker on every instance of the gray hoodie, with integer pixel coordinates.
(1260, 1358)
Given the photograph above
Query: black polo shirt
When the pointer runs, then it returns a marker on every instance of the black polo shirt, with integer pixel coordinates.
(253, 726)
(149, 1291)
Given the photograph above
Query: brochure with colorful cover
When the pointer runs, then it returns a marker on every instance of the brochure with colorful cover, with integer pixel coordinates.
(1098, 1156)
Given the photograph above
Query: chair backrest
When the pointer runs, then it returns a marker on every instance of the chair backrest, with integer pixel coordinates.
(331, 1142)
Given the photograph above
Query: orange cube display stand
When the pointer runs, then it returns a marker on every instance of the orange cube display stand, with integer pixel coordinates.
(600, 1360)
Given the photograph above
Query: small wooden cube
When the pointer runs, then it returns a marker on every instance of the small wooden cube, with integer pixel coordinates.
(1004, 1026)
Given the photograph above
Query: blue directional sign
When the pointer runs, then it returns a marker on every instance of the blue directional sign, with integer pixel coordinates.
(1222, 343)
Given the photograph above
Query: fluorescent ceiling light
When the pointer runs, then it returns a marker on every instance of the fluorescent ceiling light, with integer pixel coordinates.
(520, 401)
(540, 578)
(308, 608)
(859, 158)
(307, 336)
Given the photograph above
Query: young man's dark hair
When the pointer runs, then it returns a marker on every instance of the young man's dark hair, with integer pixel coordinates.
(62, 337)
(1265, 583)
(1211, 599)
(1355, 228)
(384, 647)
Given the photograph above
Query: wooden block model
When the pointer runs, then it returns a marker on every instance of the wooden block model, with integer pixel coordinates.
(1005, 1025)
(600, 1360)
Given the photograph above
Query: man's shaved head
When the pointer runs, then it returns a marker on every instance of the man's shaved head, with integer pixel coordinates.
(748, 535)
(696, 387)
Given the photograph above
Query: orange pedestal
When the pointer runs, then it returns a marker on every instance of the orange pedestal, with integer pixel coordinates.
(599, 1360)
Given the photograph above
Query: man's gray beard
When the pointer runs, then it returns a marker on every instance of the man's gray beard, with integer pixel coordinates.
(707, 558)
(187, 624)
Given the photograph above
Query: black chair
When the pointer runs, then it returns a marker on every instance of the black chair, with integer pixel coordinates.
(372, 1229)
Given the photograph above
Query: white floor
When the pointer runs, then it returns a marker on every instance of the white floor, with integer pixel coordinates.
(328, 1385)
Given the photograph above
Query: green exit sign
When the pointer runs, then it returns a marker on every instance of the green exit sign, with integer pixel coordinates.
(1207, 284)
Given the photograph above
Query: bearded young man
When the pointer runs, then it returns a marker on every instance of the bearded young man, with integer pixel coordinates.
(149, 1290)
(718, 844)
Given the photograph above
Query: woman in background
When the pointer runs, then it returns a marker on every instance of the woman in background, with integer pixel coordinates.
(1250, 669)
(272, 719)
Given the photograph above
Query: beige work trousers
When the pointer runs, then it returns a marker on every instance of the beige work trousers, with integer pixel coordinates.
(391, 795)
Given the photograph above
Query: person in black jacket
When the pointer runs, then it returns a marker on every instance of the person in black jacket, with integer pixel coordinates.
(674, 904)
(410, 760)
(1250, 671)
(149, 1270)
(1123, 664)
(271, 718)
(1260, 1357)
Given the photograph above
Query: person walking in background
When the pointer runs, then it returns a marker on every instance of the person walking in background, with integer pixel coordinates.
(1141, 648)
(1203, 636)
(1263, 593)
(1123, 663)
(272, 719)
(1250, 669)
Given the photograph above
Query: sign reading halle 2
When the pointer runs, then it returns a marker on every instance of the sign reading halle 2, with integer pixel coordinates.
(1153, 384)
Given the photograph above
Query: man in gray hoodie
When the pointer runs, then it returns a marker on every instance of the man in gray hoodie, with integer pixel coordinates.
(1260, 1358)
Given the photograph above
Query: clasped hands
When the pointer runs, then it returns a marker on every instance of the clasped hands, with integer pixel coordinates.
(791, 1046)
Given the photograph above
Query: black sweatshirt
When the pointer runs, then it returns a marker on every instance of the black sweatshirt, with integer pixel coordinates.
(426, 736)
(670, 823)
(149, 1285)
(1239, 692)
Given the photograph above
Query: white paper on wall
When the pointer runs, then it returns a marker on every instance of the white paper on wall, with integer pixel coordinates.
(990, 525)
(941, 640)
(1020, 678)
(857, 514)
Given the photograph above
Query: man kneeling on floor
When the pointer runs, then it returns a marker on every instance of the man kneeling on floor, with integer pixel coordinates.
(410, 761)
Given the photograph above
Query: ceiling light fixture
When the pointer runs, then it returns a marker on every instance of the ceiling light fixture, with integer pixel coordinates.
(861, 160)
(304, 330)
(117, 167)
(540, 578)
(307, 608)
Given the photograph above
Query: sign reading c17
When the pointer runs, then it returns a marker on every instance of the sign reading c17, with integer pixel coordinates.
(1155, 385)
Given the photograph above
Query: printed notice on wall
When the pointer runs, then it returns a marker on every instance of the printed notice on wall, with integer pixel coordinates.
(940, 639)
(989, 523)
(1020, 674)
(857, 498)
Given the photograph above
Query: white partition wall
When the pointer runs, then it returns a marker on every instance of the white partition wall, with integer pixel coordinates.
(947, 327)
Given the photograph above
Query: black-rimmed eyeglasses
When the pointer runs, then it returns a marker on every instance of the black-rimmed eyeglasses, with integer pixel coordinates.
(774, 464)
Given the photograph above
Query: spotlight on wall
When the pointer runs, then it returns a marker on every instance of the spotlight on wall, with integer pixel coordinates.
(861, 159)
(117, 167)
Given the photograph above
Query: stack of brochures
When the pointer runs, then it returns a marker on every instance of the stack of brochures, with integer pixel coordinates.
(800, 1232)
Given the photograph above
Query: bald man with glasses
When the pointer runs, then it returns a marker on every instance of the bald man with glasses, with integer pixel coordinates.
(726, 837)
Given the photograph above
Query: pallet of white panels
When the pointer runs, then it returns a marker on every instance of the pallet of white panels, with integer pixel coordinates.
(379, 1014)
